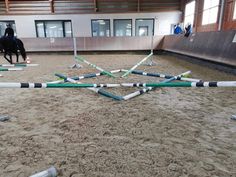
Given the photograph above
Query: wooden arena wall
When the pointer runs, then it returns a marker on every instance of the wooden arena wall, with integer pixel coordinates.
(218, 47)
(91, 43)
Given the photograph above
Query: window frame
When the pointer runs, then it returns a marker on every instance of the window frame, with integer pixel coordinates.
(194, 13)
(208, 9)
(44, 27)
(122, 19)
(104, 20)
(153, 25)
(234, 11)
(146, 27)
(10, 21)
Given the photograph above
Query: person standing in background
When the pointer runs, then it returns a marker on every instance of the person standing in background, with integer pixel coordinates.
(188, 30)
(178, 29)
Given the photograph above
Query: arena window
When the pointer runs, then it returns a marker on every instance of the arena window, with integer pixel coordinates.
(144, 27)
(58, 28)
(189, 13)
(210, 11)
(3, 26)
(100, 28)
(123, 27)
(234, 17)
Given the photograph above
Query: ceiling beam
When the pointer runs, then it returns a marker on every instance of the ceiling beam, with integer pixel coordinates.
(138, 5)
(7, 5)
(95, 6)
(52, 6)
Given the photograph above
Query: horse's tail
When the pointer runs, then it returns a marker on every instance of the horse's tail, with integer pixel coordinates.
(21, 48)
(1, 44)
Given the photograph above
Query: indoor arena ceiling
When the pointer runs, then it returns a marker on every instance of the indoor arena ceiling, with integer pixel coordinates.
(86, 6)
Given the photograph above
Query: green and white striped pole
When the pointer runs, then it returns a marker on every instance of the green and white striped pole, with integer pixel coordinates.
(135, 66)
(18, 65)
(183, 78)
(91, 75)
(155, 85)
(145, 90)
(11, 69)
(183, 84)
(97, 90)
(94, 66)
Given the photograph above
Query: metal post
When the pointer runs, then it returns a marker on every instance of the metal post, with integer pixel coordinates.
(74, 46)
(76, 65)
(150, 61)
(221, 14)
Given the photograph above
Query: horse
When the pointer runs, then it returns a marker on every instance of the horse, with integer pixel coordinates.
(11, 46)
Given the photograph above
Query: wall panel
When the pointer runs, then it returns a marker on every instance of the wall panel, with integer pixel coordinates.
(213, 46)
(159, 5)
(73, 6)
(117, 6)
(229, 23)
(88, 6)
(91, 44)
(29, 7)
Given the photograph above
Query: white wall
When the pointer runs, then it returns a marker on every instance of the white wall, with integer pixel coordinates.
(81, 23)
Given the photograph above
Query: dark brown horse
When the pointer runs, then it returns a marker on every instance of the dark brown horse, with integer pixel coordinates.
(11, 46)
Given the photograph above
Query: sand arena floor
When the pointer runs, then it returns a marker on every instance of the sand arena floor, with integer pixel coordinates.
(169, 132)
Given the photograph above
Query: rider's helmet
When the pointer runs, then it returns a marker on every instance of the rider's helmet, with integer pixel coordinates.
(8, 25)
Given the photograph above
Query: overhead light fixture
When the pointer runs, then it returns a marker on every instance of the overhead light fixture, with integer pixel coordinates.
(141, 32)
(101, 22)
(128, 26)
(39, 24)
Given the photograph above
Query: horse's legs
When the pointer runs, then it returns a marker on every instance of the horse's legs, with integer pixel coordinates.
(10, 55)
(9, 60)
(17, 57)
(20, 47)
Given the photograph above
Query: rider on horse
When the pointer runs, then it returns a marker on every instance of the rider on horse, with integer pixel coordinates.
(9, 32)
(9, 44)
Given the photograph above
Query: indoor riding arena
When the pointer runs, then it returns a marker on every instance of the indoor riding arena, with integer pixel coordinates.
(118, 88)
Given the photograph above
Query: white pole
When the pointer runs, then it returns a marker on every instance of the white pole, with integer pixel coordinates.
(152, 43)
(151, 58)
(152, 39)
(15, 65)
(221, 14)
(75, 47)
(135, 66)
(51, 172)
(76, 65)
